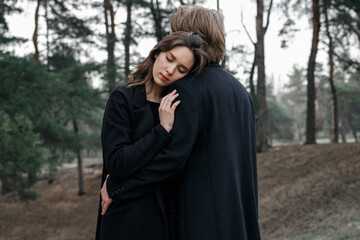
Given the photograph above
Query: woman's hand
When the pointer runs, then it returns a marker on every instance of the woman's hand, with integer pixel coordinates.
(105, 200)
(167, 110)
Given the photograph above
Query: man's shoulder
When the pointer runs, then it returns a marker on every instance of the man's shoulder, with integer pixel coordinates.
(214, 77)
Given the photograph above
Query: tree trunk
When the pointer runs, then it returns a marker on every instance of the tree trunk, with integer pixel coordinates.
(311, 96)
(5, 188)
(127, 38)
(334, 108)
(261, 129)
(343, 136)
(110, 45)
(52, 166)
(251, 79)
(79, 161)
(299, 131)
(35, 35)
(155, 11)
(47, 35)
(353, 129)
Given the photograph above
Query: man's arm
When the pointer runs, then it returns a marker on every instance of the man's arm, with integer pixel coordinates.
(170, 160)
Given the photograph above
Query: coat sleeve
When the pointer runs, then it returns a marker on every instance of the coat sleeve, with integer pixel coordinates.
(169, 161)
(122, 157)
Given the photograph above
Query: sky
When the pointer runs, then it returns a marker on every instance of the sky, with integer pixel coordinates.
(278, 62)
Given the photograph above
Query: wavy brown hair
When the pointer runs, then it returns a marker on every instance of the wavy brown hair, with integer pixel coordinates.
(190, 40)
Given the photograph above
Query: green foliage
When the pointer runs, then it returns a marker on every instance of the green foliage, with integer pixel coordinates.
(21, 154)
(65, 27)
(7, 7)
(79, 100)
(50, 101)
(280, 124)
(349, 103)
(348, 98)
(294, 100)
(27, 88)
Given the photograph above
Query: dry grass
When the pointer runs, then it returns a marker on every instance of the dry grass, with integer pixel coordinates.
(305, 192)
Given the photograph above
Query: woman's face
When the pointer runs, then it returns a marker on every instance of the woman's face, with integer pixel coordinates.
(172, 65)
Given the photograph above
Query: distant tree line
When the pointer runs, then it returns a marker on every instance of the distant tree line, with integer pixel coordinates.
(50, 111)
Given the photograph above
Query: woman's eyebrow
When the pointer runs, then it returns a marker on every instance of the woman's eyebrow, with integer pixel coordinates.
(172, 55)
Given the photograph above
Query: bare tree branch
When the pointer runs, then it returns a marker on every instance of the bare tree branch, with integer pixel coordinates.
(247, 33)
(268, 17)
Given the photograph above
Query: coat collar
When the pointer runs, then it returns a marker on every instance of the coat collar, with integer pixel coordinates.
(214, 64)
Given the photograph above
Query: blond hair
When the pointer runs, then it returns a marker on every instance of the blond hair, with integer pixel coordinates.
(207, 23)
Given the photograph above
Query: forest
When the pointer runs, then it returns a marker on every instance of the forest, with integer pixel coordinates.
(52, 99)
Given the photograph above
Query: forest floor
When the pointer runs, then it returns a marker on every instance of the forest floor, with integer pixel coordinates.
(305, 192)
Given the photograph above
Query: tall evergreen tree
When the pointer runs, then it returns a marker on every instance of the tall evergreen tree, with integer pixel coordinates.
(110, 44)
(334, 105)
(127, 35)
(261, 112)
(311, 93)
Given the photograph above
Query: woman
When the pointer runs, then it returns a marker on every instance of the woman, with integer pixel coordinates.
(136, 126)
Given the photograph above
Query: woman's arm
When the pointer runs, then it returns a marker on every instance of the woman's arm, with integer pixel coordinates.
(122, 158)
(166, 163)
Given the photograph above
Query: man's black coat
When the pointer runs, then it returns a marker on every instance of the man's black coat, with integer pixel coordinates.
(213, 146)
(129, 141)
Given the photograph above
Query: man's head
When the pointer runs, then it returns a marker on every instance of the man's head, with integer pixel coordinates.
(207, 23)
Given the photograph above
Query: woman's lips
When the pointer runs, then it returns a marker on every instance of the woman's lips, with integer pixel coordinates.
(164, 78)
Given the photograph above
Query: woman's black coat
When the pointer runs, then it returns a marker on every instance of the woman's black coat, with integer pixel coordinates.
(213, 144)
(130, 141)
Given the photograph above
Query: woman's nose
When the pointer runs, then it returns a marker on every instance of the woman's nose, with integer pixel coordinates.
(171, 69)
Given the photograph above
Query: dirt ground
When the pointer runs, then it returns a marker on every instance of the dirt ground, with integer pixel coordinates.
(305, 192)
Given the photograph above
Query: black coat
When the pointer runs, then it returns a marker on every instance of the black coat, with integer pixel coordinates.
(129, 141)
(213, 145)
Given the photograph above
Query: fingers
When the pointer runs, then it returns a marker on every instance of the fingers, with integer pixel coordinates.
(105, 202)
(102, 207)
(104, 197)
(166, 102)
(173, 107)
(106, 206)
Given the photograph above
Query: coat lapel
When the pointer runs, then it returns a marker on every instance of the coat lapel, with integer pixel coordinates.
(144, 122)
(143, 118)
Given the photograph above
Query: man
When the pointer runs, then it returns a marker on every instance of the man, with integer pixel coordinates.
(213, 147)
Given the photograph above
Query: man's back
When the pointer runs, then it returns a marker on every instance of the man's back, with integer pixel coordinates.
(213, 148)
(218, 186)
